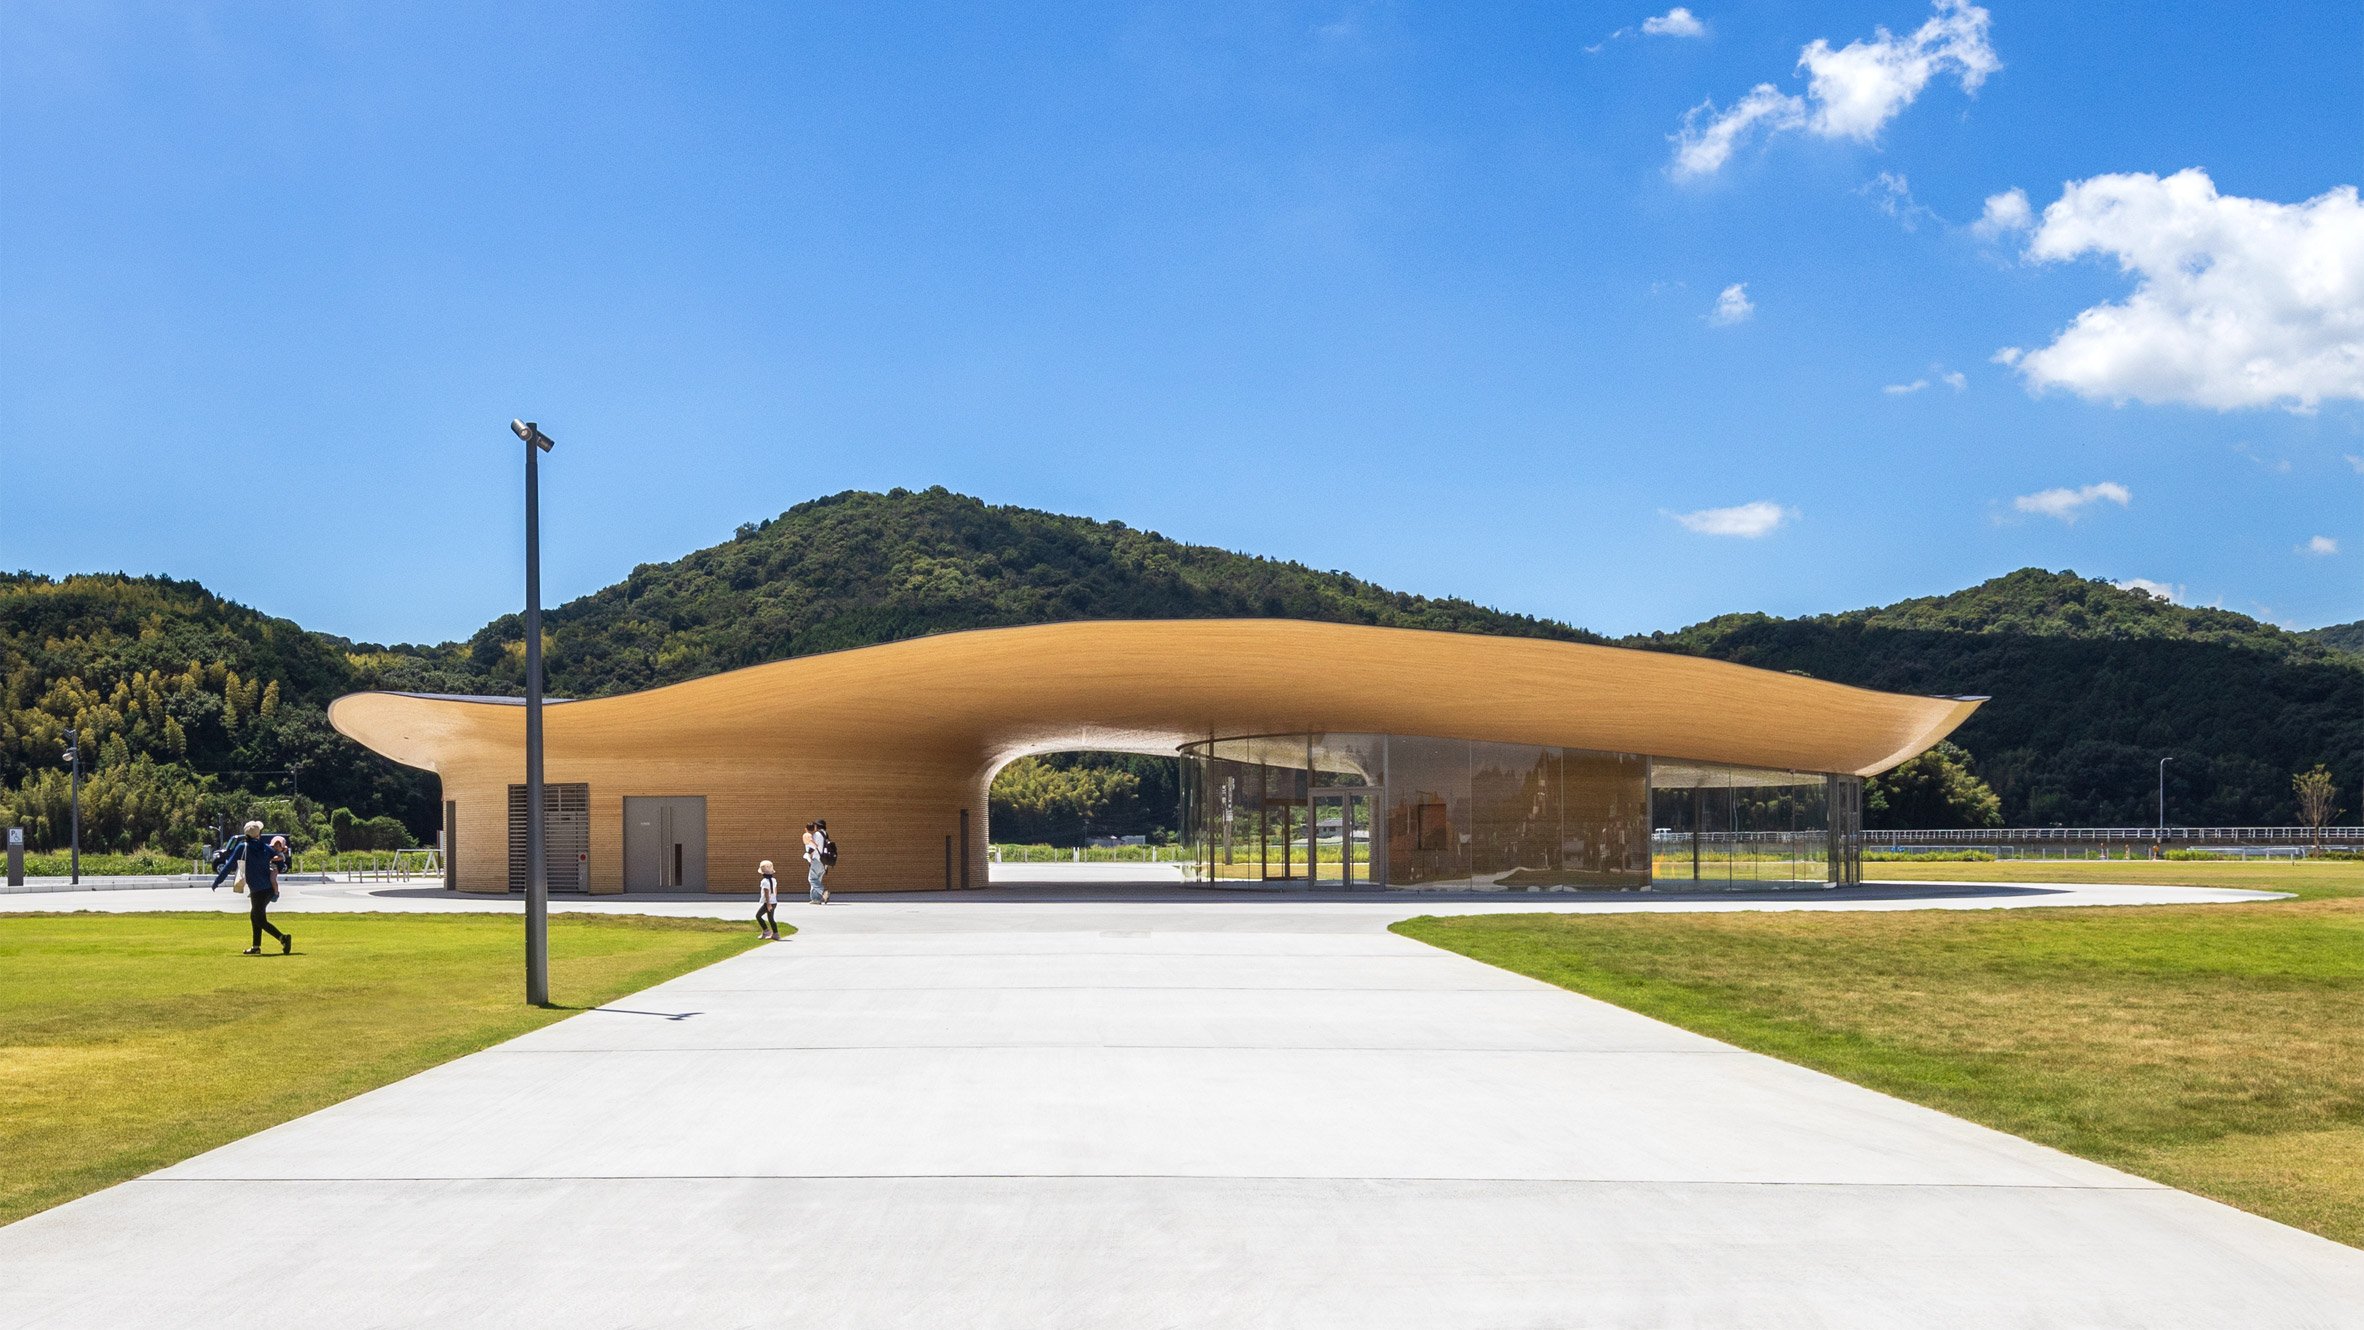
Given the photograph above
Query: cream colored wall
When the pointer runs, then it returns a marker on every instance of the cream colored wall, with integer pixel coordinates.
(888, 811)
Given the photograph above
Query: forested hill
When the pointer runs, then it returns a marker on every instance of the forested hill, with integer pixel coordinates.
(2091, 686)
(857, 568)
(2344, 636)
(192, 706)
(189, 707)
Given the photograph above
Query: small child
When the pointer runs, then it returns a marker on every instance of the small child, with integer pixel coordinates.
(767, 900)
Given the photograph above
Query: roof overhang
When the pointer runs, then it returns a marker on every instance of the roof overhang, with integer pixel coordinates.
(1152, 686)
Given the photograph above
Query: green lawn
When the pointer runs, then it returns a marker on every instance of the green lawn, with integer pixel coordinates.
(2310, 879)
(2218, 1048)
(131, 1041)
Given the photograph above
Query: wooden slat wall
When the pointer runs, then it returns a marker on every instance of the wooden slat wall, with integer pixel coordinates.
(889, 812)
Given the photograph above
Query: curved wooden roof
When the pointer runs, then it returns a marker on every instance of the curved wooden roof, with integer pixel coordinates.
(1151, 686)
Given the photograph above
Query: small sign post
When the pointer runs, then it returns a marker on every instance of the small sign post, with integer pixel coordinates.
(16, 856)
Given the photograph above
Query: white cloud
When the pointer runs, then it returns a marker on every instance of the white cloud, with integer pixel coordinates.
(1851, 92)
(2069, 504)
(2320, 546)
(2237, 302)
(1892, 194)
(1747, 521)
(2172, 593)
(2355, 463)
(1862, 86)
(2280, 466)
(1732, 306)
(1676, 22)
(2006, 213)
(1951, 378)
(1703, 151)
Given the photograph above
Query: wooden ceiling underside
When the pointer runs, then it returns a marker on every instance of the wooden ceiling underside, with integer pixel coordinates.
(1150, 686)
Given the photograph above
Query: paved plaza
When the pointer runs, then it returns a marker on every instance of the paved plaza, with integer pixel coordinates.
(1039, 1106)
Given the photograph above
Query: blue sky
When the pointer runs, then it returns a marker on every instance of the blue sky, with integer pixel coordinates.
(1427, 293)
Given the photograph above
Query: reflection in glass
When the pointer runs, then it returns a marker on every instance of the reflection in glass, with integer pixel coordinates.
(1604, 823)
(1740, 827)
(1428, 810)
(1346, 810)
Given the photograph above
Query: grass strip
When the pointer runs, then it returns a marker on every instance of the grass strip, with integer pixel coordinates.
(129, 1042)
(2216, 1048)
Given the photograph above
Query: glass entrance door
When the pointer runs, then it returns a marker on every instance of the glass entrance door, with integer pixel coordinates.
(1342, 850)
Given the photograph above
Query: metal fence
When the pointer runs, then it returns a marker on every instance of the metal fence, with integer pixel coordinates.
(2173, 837)
(1088, 854)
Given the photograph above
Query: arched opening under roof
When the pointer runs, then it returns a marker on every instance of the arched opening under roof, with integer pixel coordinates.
(1073, 812)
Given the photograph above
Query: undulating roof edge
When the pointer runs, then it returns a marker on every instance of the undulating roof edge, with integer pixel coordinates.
(488, 698)
(950, 633)
(1119, 684)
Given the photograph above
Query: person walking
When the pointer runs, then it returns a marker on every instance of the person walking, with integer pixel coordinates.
(227, 860)
(259, 859)
(767, 900)
(816, 865)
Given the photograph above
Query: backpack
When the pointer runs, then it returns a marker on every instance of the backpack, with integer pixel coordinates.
(828, 852)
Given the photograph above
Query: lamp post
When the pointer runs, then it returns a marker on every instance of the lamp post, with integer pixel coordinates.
(2163, 795)
(537, 868)
(74, 756)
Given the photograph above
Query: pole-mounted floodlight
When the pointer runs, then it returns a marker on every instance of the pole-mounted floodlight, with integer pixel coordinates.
(2163, 794)
(537, 866)
(73, 756)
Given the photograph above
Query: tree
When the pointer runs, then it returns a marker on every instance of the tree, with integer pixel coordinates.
(1034, 802)
(2318, 800)
(347, 832)
(1936, 791)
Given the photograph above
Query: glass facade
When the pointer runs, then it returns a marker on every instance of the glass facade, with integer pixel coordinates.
(1718, 826)
(1363, 810)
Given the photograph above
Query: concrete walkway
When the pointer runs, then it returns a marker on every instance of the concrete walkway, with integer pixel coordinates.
(1140, 1112)
(1061, 884)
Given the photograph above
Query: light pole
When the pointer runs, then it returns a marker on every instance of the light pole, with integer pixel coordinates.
(537, 868)
(2163, 795)
(74, 756)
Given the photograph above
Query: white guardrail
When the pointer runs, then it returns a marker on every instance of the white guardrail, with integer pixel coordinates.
(2341, 836)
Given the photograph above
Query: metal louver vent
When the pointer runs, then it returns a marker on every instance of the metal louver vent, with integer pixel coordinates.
(566, 830)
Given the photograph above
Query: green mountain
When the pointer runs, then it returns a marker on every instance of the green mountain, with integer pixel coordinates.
(2343, 636)
(193, 706)
(2091, 686)
(189, 708)
(856, 569)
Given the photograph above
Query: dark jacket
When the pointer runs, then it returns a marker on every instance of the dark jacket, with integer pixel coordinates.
(260, 862)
